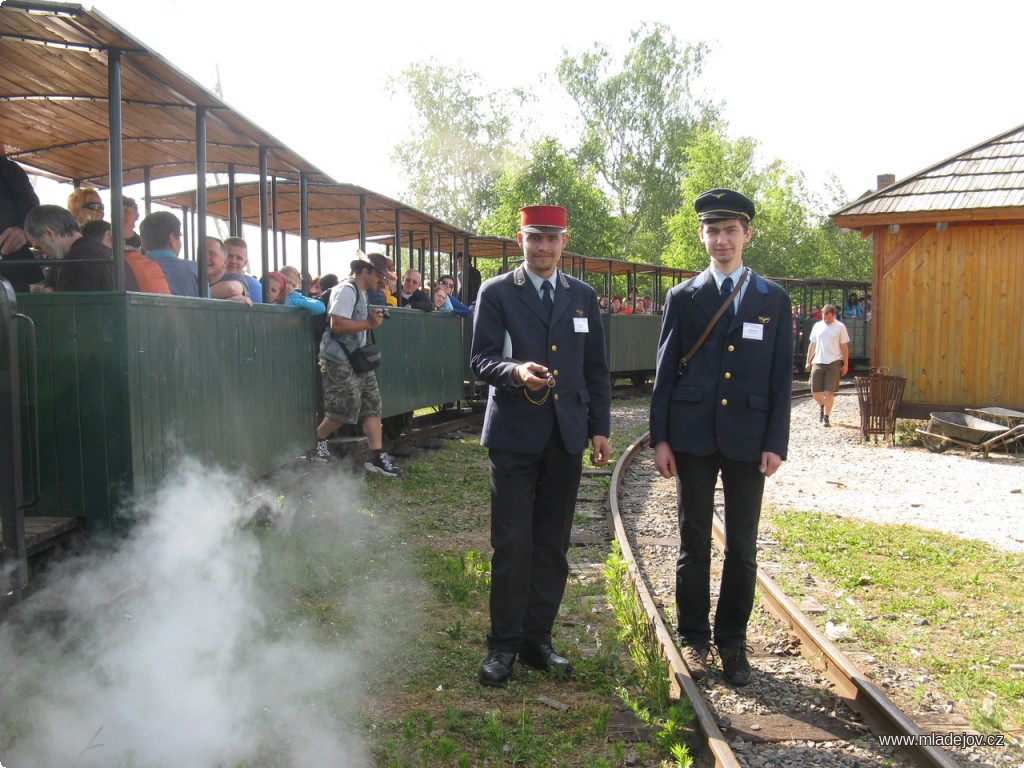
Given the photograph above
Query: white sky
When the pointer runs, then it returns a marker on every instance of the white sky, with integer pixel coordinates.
(854, 89)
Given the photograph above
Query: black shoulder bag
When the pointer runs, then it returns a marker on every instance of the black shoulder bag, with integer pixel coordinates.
(365, 358)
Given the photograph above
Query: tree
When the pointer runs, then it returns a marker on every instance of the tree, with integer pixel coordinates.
(550, 177)
(462, 142)
(637, 125)
(793, 236)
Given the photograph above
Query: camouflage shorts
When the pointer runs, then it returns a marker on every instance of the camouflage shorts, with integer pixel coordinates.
(349, 397)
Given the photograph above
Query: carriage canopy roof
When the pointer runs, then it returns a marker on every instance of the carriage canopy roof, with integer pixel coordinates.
(54, 105)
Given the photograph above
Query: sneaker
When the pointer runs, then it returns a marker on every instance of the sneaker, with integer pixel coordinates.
(382, 464)
(735, 666)
(821, 414)
(697, 658)
(322, 454)
(825, 421)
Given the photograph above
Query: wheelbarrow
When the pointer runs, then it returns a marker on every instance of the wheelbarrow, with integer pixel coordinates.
(971, 433)
(1005, 416)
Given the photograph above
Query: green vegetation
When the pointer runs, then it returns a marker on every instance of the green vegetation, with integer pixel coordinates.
(639, 118)
(793, 236)
(920, 600)
(667, 720)
(648, 142)
(456, 148)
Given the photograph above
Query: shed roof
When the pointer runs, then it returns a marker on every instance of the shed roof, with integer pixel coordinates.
(982, 183)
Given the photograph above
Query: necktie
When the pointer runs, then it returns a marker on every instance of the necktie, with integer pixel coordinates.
(730, 313)
(545, 288)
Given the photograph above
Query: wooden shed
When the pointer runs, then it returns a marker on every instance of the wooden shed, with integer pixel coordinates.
(948, 303)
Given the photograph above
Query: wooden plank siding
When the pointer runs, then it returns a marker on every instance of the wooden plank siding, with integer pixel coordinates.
(950, 316)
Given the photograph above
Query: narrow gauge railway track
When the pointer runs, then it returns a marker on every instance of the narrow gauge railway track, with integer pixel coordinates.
(789, 715)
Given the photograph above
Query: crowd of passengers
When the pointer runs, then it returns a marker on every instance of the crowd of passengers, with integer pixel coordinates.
(628, 305)
(153, 259)
(854, 307)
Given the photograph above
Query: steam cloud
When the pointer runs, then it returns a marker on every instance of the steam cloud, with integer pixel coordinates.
(180, 647)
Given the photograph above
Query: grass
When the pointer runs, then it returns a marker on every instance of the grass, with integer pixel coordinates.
(669, 720)
(919, 599)
(429, 710)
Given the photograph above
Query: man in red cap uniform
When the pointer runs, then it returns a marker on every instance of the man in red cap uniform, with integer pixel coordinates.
(538, 341)
(725, 411)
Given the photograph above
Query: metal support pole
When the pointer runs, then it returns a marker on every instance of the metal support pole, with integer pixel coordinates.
(116, 165)
(362, 223)
(234, 214)
(264, 215)
(273, 202)
(186, 230)
(398, 242)
(201, 199)
(147, 184)
(304, 231)
(430, 255)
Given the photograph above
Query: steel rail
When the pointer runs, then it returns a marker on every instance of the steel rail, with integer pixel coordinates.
(705, 717)
(879, 712)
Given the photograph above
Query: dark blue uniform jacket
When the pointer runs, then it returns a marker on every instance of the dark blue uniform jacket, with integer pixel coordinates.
(508, 307)
(735, 394)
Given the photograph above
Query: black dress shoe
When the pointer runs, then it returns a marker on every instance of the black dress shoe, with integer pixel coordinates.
(543, 656)
(734, 664)
(496, 669)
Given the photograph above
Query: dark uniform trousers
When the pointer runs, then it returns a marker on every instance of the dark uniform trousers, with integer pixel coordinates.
(533, 501)
(743, 487)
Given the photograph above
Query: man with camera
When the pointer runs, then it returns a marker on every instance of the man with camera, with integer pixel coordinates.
(351, 395)
(539, 342)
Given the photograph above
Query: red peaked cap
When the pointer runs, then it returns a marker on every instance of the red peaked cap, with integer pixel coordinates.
(543, 218)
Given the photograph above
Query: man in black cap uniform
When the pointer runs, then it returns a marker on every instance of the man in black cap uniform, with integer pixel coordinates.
(724, 410)
(538, 341)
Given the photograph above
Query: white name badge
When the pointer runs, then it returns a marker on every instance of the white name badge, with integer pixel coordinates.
(581, 324)
(753, 331)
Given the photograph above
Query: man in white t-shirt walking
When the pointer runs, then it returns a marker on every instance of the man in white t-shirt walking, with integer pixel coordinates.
(828, 359)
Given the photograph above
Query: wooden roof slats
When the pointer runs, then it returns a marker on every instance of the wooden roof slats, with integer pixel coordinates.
(989, 177)
(55, 73)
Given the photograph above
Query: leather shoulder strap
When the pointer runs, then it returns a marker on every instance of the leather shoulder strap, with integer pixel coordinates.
(685, 359)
